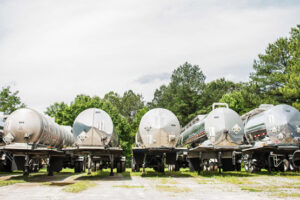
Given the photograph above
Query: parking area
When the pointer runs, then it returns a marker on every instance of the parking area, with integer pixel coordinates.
(151, 185)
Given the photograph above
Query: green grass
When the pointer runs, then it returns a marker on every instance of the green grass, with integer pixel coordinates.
(79, 186)
(149, 172)
(286, 194)
(10, 173)
(172, 189)
(36, 177)
(98, 175)
(168, 181)
(129, 186)
(10, 182)
(252, 189)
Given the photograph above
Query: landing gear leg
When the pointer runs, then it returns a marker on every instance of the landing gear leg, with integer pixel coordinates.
(111, 165)
(144, 163)
(89, 164)
(269, 164)
(26, 166)
(220, 161)
(50, 167)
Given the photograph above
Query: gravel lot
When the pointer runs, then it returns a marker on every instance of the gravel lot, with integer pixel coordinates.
(132, 186)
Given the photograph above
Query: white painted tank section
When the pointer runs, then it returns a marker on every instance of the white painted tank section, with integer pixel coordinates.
(158, 128)
(26, 125)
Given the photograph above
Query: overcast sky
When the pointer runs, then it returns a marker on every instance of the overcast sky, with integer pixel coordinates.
(53, 50)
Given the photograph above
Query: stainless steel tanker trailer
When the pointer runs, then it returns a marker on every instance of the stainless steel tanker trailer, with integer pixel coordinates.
(96, 142)
(2, 121)
(155, 141)
(214, 140)
(30, 138)
(274, 132)
(5, 162)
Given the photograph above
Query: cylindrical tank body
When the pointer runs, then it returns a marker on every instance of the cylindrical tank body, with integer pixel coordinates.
(2, 121)
(158, 128)
(278, 125)
(222, 126)
(94, 127)
(26, 125)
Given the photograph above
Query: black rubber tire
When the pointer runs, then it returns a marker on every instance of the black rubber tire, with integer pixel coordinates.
(123, 166)
(227, 165)
(238, 167)
(119, 170)
(137, 168)
(194, 164)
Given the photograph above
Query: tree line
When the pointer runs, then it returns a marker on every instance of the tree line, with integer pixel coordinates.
(275, 79)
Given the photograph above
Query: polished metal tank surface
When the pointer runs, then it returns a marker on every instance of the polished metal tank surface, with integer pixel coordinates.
(222, 126)
(26, 125)
(279, 125)
(2, 121)
(94, 127)
(158, 128)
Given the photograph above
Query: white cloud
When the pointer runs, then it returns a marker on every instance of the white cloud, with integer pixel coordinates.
(54, 50)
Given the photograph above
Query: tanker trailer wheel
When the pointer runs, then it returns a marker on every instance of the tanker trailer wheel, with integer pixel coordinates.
(286, 165)
(238, 167)
(26, 171)
(227, 164)
(215, 166)
(49, 170)
(205, 165)
(253, 168)
(123, 166)
(78, 166)
(161, 168)
(171, 168)
(194, 164)
(211, 166)
(6, 165)
(246, 166)
(177, 168)
(119, 169)
(137, 167)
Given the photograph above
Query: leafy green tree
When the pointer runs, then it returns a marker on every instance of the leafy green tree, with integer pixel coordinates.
(235, 101)
(271, 67)
(9, 101)
(183, 92)
(277, 71)
(291, 89)
(213, 92)
(57, 111)
(245, 98)
(128, 104)
(115, 99)
(131, 103)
